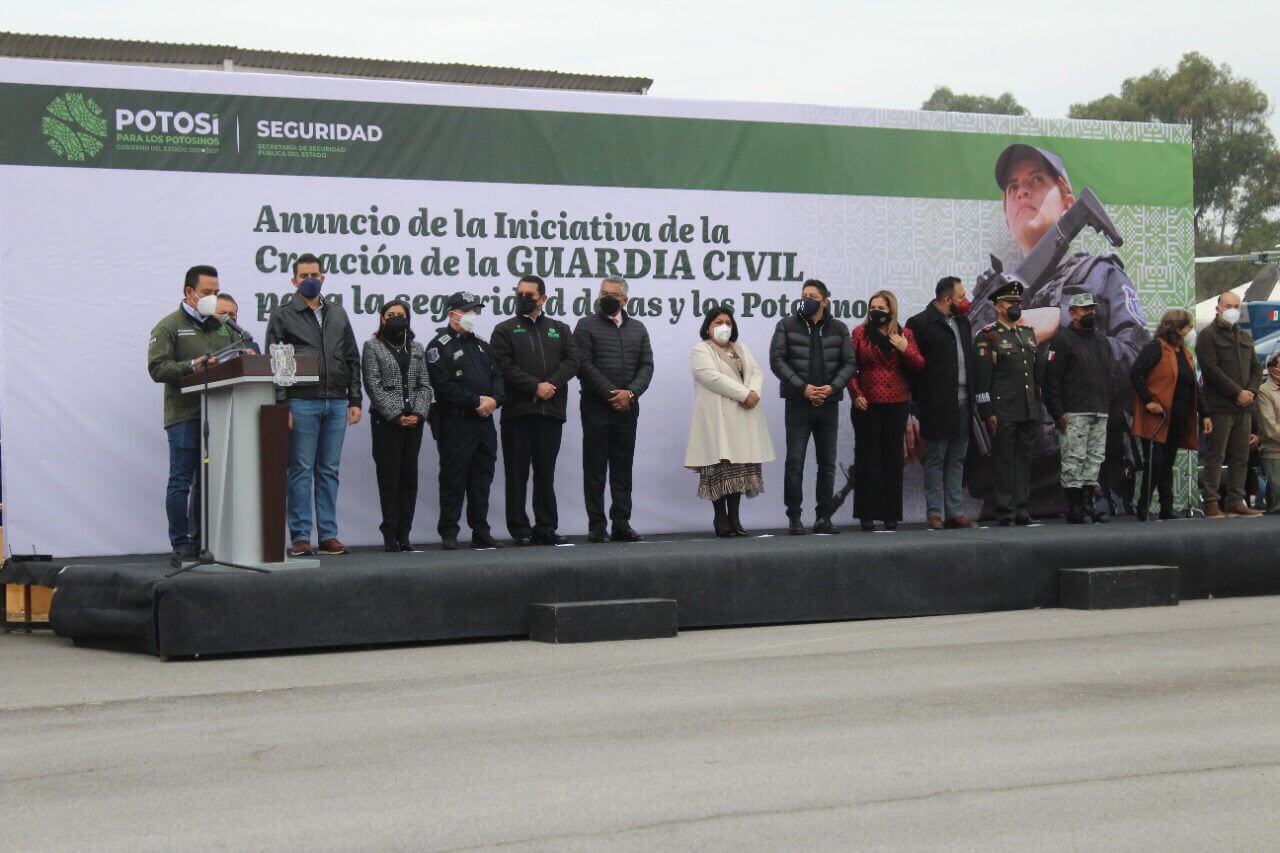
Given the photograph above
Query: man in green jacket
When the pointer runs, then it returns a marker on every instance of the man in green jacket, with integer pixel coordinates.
(181, 344)
(1232, 376)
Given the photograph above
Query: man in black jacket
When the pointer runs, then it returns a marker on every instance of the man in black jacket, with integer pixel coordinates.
(943, 394)
(812, 354)
(1077, 395)
(319, 413)
(536, 356)
(615, 364)
(469, 389)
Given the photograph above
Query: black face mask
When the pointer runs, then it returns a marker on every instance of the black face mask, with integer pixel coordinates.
(877, 317)
(1014, 313)
(609, 304)
(809, 307)
(1089, 321)
(395, 327)
(525, 304)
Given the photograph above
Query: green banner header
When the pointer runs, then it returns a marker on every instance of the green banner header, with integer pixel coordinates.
(168, 131)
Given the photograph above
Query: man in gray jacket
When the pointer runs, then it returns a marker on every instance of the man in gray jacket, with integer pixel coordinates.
(1232, 376)
(319, 413)
(812, 355)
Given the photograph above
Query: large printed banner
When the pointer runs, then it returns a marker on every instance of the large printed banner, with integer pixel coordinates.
(114, 180)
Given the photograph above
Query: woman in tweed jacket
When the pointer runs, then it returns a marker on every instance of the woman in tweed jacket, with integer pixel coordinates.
(400, 396)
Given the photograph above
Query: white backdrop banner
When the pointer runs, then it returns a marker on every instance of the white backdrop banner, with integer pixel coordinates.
(114, 180)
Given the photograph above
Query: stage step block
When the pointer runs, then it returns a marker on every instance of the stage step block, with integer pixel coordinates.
(594, 621)
(1115, 587)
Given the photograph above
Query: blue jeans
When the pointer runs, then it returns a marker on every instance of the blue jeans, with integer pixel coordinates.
(944, 470)
(315, 449)
(181, 502)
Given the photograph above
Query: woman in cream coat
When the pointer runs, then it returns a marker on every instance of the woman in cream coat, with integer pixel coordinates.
(728, 437)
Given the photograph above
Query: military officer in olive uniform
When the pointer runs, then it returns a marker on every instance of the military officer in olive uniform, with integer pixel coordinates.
(468, 386)
(1008, 399)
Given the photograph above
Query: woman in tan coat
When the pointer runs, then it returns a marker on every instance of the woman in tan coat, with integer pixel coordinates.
(728, 437)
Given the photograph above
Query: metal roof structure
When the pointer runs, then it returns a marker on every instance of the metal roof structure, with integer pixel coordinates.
(228, 58)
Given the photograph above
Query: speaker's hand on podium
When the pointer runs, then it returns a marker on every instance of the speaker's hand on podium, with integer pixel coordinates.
(200, 362)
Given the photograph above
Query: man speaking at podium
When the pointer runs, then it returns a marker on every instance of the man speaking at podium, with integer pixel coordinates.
(182, 344)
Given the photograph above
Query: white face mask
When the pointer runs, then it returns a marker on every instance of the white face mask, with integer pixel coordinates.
(467, 322)
(1190, 339)
(1231, 316)
(207, 306)
(722, 334)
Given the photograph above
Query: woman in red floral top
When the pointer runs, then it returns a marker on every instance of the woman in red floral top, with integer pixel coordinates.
(885, 352)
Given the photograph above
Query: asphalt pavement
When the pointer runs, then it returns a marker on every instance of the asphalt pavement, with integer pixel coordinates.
(1154, 729)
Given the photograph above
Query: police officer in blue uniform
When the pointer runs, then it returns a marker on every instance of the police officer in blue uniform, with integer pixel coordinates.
(1008, 397)
(468, 387)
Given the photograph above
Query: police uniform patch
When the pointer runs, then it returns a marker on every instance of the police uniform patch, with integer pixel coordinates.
(457, 354)
(433, 355)
(443, 339)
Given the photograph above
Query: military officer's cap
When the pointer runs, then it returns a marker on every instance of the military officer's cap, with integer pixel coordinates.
(1083, 300)
(464, 299)
(1020, 151)
(1009, 290)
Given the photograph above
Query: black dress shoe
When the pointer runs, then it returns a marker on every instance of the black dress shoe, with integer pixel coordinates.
(449, 543)
(626, 534)
(392, 549)
(596, 536)
(796, 527)
(867, 525)
(551, 539)
(1024, 520)
(483, 540)
(824, 525)
(891, 525)
(405, 546)
(521, 541)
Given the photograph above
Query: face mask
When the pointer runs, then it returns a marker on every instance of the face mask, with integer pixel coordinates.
(526, 304)
(1014, 313)
(1231, 316)
(207, 306)
(1190, 339)
(962, 307)
(877, 317)
(309, 287)
(1088, 321)
(809, 307)
(610, 304)
(467, 322)
(722, 334)
(396, 326)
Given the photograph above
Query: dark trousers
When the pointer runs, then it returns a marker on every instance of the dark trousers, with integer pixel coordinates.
(877, 459)
(1229, 443)
(468, 455)
(1011, 448)
(531, 441)
(1159, 460)
(823, 423)
(182, 497)
(608, 449)
(395, 461)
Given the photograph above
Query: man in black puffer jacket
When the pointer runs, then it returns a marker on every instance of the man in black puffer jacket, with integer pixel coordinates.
(1077, 395)
(812, 355)
(615, 364)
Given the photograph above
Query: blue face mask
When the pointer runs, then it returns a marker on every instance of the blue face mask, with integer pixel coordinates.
(309, 287)
(809, 307)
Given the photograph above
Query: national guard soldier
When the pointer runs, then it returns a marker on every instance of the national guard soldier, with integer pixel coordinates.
(468, 386)
(1008, 399)
(1037, 192)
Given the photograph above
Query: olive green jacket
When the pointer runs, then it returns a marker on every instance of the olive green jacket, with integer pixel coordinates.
(175, 342)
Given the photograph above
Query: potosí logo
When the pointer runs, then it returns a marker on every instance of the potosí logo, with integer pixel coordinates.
(179, 122)
(328, 131)
(73, 127)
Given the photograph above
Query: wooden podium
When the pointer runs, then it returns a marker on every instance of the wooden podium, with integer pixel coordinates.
(243, 484)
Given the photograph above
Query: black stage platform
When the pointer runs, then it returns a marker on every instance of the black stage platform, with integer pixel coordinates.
(371, 597)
